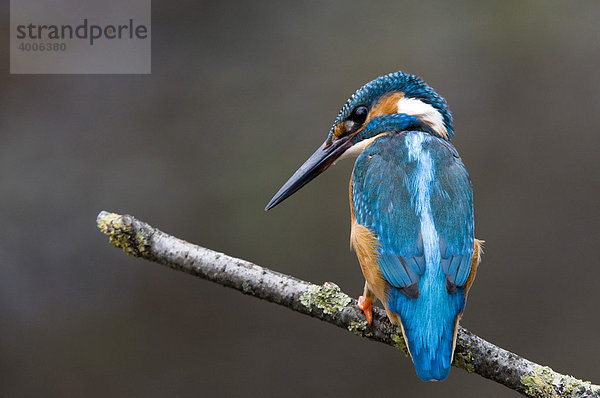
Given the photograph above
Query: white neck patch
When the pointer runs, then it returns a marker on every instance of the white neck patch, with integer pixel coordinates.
(427, 113)
(356, 149)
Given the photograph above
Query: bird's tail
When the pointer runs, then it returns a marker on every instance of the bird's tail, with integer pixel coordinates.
(432, 359)
(429, 323)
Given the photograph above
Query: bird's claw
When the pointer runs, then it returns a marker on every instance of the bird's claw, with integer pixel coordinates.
(364, 303)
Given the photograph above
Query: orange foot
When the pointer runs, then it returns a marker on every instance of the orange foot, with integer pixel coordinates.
(364, 303)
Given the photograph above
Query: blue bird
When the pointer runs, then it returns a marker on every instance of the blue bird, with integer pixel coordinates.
(411, 206)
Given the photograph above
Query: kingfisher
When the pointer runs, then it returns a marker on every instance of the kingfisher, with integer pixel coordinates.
(411, 209)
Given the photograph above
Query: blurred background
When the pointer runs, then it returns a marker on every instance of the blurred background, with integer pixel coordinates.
(240, 94)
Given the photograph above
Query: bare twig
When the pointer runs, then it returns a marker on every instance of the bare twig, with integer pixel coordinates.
(330, 304)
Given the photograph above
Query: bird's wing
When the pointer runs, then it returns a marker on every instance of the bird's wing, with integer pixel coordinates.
(453, 216)
(384, 201)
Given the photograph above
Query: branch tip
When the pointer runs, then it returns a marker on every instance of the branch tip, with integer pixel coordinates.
(123, 232)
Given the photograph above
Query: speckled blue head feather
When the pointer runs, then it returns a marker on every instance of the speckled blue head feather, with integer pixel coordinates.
(412, 87)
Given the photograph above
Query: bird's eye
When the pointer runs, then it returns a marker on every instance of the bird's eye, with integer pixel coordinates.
(359, 114)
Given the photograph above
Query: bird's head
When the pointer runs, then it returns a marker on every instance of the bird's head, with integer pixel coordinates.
(394, 102)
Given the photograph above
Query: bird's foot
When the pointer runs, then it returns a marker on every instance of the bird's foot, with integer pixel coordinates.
(364, 303)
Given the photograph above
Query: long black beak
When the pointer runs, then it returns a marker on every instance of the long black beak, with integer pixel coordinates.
(315, 165)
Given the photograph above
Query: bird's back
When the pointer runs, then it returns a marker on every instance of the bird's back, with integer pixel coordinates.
(411, 190)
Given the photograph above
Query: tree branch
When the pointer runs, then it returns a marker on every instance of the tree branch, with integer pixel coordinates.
(330, 304)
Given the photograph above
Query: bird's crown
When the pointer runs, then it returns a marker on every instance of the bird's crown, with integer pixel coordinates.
(405, 99)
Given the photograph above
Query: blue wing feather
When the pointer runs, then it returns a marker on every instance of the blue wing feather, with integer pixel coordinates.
(453, 214)
(382, 209)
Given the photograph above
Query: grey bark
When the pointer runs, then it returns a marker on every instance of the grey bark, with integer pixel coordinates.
(328, 303)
